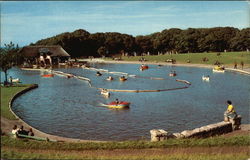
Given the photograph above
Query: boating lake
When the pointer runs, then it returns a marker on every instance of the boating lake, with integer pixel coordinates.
(71, 108)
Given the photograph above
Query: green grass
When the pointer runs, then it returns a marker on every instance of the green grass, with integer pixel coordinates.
(208, 142)
(30, 149)
(175, 156)
(196, 58)
(6, 94)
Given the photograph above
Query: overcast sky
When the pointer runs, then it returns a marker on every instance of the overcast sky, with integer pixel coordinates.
(25, 22)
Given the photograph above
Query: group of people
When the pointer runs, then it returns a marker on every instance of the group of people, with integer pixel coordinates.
(16, 131)
(241, 63)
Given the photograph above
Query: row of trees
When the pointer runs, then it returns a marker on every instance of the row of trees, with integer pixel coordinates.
(81, 43)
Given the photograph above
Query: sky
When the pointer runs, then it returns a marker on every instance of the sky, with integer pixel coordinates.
(26, 22)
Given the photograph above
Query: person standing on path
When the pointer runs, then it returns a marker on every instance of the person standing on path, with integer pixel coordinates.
(242, 64)
(235, 65)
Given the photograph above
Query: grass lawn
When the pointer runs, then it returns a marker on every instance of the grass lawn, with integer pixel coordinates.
(210, 148)
(126, 155)
(196, 58)
(6, 94)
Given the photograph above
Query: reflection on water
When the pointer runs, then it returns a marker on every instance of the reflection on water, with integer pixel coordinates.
(70, 108)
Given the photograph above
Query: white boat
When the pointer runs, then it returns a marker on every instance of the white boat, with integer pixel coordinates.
(109, 78)
(172, 74)
(105, 93)
(15, 80)
(205, 78)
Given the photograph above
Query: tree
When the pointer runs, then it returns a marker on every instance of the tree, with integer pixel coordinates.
(102, 51)
(241, 41)
(8, 58)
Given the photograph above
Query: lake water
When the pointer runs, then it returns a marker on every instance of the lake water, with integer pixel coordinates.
(70, 108)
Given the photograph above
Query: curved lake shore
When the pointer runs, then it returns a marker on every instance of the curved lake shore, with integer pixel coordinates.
(128, 62)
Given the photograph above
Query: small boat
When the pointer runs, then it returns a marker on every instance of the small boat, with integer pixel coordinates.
(143, 67)
(172, 74)
(48, 75)
(120, 105)
(205, 78)
(219, 69)
(15, 80)
(98, 74)
(109, 78)
(105, 92)
(123, 78)
(70, 75)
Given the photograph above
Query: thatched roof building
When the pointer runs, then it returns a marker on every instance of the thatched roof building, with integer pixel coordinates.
(36, 51)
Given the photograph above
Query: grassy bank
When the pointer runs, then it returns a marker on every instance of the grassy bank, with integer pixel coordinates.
(208, 142)
(126, 155)
(6, 94)
(220, 147)
(196, 58)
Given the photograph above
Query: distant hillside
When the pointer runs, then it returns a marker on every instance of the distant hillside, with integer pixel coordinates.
(81, 43)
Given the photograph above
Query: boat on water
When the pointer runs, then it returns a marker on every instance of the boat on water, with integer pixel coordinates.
(69, 75)
(123, 78)
(143, 67)
(205, 78)
(15, 80)
(172, 74)
(109, 78)
(219, 69)
(119, 105)
(98, 74)
(48, 75)
(105, 93)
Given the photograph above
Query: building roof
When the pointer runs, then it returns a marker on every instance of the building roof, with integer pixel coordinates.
(53, 51)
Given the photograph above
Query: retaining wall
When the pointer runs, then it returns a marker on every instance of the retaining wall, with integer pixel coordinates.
(202, 132)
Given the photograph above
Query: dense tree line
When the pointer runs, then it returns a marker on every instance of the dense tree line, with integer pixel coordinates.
(81, 43)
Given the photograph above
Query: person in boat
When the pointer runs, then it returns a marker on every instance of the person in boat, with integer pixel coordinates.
(123, 77)
(98, 73)
(230, 112)
(110, 78)
(117, 101)
(104, 90)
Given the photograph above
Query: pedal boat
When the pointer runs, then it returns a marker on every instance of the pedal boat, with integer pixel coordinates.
(123, 79)
(205, 78)
(15, 80)
(109, 78)
(48, 75)
(172, 74)
(120, 105)
(143, 67)
(105, 93)
(219, 69)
